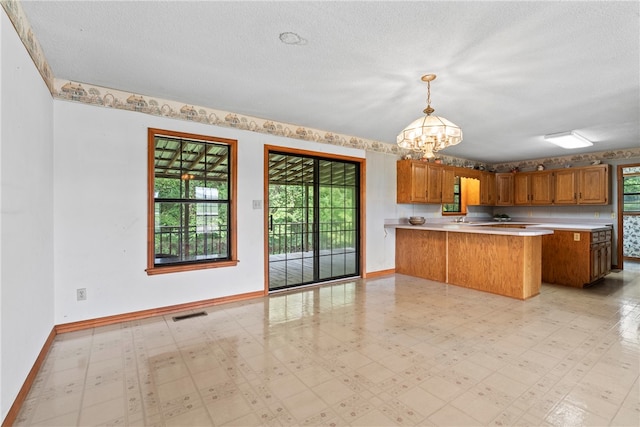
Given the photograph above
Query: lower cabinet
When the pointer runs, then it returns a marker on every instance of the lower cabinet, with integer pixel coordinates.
(600, 254)
(576, 258)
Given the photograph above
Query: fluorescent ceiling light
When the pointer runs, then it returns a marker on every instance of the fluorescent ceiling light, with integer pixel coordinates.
(568, 140)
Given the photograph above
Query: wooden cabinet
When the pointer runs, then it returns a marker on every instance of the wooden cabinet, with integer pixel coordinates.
(576, 258)
(521, 189)
(593, 185)
(434, 183)
(487, 188)
(542, 188)
(566, 187)
(533, 188)
(448, 183)
(588, 185)
(422, 182)
(504, 189)
(418, 182)
(600, 254)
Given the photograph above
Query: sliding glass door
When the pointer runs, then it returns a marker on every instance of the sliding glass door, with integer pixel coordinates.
(314, 225)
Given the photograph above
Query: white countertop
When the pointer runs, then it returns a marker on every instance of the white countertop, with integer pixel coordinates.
(572, 227)
(473, 228)
(486, 227)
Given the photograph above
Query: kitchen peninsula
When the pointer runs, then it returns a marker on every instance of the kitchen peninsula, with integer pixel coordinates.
(504, 261)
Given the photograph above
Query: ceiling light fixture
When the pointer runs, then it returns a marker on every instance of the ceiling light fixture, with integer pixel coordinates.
(429, 134)
(568, 140)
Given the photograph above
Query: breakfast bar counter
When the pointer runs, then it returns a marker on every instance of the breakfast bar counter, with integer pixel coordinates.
(504, 261)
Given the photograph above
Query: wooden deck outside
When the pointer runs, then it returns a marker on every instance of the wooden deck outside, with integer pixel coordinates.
(292, 269)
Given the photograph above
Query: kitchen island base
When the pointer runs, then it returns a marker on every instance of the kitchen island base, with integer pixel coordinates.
(508, 265)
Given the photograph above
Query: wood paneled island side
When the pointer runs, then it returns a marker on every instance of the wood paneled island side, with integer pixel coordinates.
(502, 261)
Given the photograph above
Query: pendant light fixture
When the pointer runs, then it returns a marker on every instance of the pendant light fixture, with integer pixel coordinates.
(429, 134)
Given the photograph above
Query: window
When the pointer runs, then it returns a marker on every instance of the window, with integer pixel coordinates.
(455, 206)
(631, 193)
(191, 202)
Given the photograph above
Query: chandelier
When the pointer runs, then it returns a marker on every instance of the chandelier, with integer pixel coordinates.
(429, 134)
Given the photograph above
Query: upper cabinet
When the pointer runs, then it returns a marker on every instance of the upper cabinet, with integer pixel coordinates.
(412, 181)
(422, 182)
(588, 185)
(434, 183)
(504, 189)
(487, 188)
(593, 185)
(533, 188)
(566, 187)
(418, 182)
(448, 184)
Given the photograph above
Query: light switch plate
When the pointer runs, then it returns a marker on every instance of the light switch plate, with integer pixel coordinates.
(257, 204)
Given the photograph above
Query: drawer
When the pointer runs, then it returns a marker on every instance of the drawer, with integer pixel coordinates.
(600, 236)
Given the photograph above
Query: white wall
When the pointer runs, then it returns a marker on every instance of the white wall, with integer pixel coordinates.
(26, 219)
(100, 211)
(381, 205)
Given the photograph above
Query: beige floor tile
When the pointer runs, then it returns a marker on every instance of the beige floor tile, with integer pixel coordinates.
(333, 391)
(175, 389)
(223, 410)
(421, 401)
(104, 392)
(304, 404)
(195, 417)
(56, 405)
(374, 418)
(452, 416)
(567, 414)
(111, 412)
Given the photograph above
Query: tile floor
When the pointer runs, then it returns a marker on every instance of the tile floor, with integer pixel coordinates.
(394, 350)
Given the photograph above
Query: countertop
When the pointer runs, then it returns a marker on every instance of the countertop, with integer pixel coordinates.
(486, 227)
(473, 228)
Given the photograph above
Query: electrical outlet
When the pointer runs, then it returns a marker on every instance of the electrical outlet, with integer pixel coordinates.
(613, 214)
(576, 237)
(81, 294)
(597, 214)
(530, 213)
(257, 204)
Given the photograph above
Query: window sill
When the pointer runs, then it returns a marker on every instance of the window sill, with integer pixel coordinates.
(189, 267)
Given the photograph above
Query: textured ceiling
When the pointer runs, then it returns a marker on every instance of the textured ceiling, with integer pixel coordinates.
(508, 72)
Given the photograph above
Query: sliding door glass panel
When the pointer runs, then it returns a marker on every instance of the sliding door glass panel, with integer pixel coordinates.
(313, 220)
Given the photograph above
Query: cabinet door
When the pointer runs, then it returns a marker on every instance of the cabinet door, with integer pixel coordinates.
(541, 184)
(411, 182)
(448, 182)
(566, 190)
(504, 189)
(487, 188)
(595, 261)
(593, 185)
(521, 190)
(434, 184)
